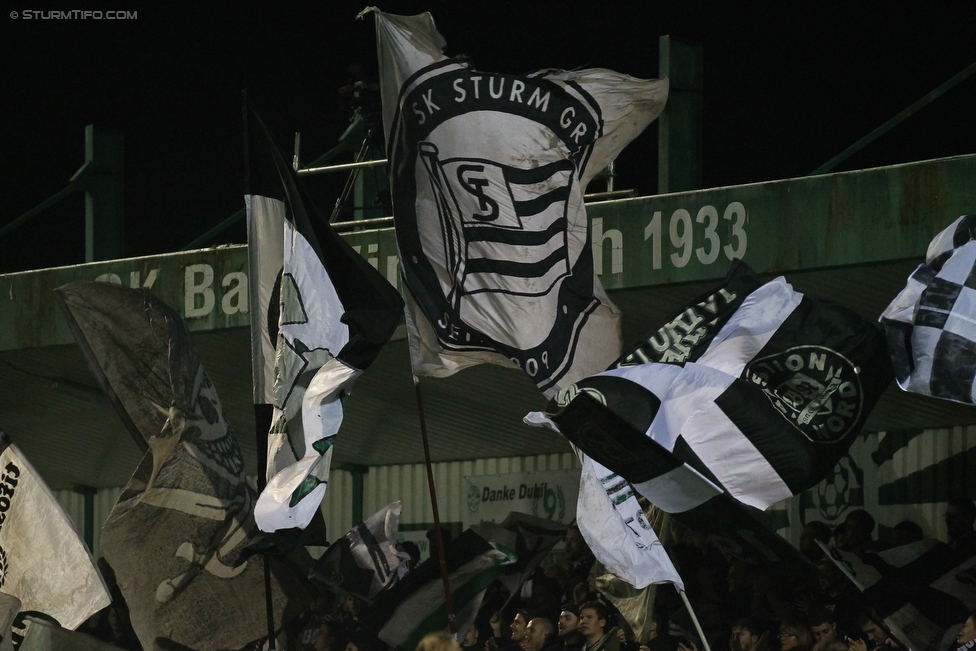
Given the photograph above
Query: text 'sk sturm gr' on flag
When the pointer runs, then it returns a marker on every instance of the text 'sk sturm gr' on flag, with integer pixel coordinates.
(488, 172)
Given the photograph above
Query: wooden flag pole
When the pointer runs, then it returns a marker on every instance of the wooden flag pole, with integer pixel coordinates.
(448, 603)
(701, 633)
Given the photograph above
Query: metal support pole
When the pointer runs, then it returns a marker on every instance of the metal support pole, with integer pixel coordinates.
(680, 125)
(104, 207)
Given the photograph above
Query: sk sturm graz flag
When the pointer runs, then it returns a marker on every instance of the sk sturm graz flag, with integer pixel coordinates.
(765, 390)
(364, 561)
(922, 590)
(43, 561)
(178, 529)
(488, 172)
(328, 317)
(931, 324)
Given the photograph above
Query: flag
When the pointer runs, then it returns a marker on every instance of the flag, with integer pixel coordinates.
(177, 531)
(415, 606)
(42, 635)
(488, 173)
(334, 313)
(9, 607)
(364, 561)
(764, 390)
(529, 536)
(923, 590)
(931, 324)
(617, 531)
(43, 562)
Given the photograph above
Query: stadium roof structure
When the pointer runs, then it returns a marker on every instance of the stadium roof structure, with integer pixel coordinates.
(852, 237)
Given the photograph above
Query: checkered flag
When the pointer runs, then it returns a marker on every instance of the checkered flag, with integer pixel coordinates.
(931, 324)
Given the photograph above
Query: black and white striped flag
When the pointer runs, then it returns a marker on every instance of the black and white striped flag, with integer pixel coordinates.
(931, 324)
(923, 590)
(488, 172)
(321, 312)
(764, 391)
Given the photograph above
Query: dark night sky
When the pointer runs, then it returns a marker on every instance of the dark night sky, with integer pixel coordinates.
(786, 87)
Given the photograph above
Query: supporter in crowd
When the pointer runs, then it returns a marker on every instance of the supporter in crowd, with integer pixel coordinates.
(593, 627)
(960, 514)
(966, 637)
(567, 629)
(579, 562)
(813, 532)
(906, 532)
(795, 636)
(746, 634)
(539, 634)
(437, 642)
(515, 632)
(859, 527)
(410, 549)
(874, 636)
(823, 625)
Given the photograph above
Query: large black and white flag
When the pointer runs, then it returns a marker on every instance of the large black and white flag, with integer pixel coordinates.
(488, 172)
(763, 391)
(327, 312)
(364, 561)
(178, 533)
(923, 590)
(931, 324)
(43, 562)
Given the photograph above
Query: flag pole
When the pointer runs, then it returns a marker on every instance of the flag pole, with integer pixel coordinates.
(448, 603)
(694, 619)
(263, 414)
(262, 425)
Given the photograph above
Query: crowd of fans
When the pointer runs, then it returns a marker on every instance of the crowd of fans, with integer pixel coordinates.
(738, 607)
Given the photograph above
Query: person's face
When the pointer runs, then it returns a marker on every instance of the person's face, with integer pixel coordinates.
(734, 640)
(788, 639)
(351, 647)
(568, 622)
(874, 633)
(956, 522)
(826, 631)
(321, 642)
(590, 624)
(471, 637)
(591, 579)
(968, 632)
(534, 638)
(518, 627)
(575, 545)
(742, 639)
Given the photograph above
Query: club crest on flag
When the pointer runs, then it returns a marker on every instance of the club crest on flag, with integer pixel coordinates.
(816, 389)
(493, 228)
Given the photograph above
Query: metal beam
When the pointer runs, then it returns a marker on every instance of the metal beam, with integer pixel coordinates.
(862, 217)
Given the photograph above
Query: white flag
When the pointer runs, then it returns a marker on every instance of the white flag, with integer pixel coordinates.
(43, 562)
(488, 173)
